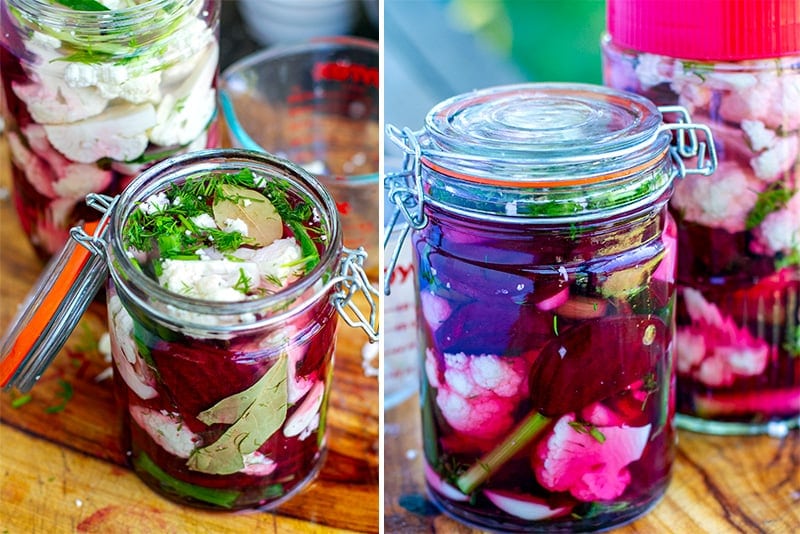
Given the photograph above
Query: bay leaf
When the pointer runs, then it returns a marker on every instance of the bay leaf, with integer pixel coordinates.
(264, 225)
(257, 423)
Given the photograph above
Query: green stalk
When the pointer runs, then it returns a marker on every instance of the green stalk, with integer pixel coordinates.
(494, 460)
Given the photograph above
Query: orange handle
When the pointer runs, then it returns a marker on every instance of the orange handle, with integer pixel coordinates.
(46, 310)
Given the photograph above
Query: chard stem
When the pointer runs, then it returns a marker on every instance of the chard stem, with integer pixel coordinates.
(497, 457)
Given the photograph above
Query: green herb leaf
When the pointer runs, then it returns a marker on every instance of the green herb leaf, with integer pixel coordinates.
(218, 497)
(259, 412)
(307, 246)
(65, 394)
(19, 402)
(771, 199)
(83, 5)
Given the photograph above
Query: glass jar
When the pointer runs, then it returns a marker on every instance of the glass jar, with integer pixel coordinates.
(544, 258)
(736, 68)
(223, 399)
(95, 97)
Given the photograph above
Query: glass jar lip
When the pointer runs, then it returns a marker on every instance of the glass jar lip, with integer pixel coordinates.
(542, 135)
(156, 177)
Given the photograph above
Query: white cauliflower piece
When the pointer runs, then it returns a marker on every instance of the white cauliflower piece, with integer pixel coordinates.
(759, 137)
(118, 133)
(652, 69)
(186, 44)
(783, 111)
(132, 369)
(779, 232)
(258, 465)
(204, 220)
(184, 113)
(51, 101)
(773, 163)
(305, 418)
(35, 169)
(167, 429)
(235, 225)
(276, 261)
(214, 280)
(70, 180)
(116, 81)
(155, 203)
(722, 200)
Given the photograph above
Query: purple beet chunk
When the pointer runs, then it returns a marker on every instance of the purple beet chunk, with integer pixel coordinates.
(593, 361)
(198, 375)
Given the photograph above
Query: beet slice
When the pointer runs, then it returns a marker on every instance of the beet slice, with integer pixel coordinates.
(590, 362)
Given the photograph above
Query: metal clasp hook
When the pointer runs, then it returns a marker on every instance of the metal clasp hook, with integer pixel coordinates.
(688, 146)
(353, 280)
(96, 242)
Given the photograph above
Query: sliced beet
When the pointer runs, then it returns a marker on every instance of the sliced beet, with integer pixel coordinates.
(593, 361)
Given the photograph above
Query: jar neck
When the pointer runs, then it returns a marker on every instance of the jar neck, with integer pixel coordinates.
(581, 203)
(223, 318)
(113, 33)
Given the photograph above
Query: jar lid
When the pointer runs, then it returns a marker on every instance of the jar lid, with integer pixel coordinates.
(542, 135)
(51, 311)
(708, 30)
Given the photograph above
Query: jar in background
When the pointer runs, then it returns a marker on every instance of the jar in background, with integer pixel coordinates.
(736, 67)
(545, 263)
(95, 97)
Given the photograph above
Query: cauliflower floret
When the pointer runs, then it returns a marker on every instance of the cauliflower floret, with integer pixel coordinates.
(652, 70)
(184, 113)
(478, 394)
(591, 469)
(773, 163)
(258, 465)
(758, 136)
(235, 225)
(204, 220)
(713, 349)
(36, 170)
(167, 430)
(118, 133)
(214, 280)
(278, 261)
(722, 200)
(115, 81)
(305, 418)
(132, 369)
(71, 180)
(435, 309)
(51, 101)
(779, 232)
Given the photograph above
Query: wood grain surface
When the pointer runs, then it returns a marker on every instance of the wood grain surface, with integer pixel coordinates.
(66, 471)
(719, 484)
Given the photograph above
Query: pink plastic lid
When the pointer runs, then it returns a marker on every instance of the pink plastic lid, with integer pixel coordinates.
(715, 30)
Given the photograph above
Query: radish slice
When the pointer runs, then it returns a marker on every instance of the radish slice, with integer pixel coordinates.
(524, 506)
(554, 301)
(443, 487)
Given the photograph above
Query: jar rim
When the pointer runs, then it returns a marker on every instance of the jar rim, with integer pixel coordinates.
(155, 178)
(542, 134)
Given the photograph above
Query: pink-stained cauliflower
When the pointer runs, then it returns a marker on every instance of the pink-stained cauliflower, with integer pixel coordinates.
(477, 395)
(773, 163)
(779, 232)
(722, 200)
(666, 268)
(167, 430)
(588, 460)
(652, 70)
(713, 349)
(258, 465)
(435, 309)
(133, 370)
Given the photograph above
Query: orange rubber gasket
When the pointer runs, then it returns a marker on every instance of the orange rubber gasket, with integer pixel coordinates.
(587, 180)
(46, 310)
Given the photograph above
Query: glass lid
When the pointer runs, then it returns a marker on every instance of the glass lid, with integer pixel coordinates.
(521, 134)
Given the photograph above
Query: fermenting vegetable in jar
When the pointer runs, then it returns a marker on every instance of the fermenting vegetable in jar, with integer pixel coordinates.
(227, 279)
(545, 264)
(96, 91)
(736, 69)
